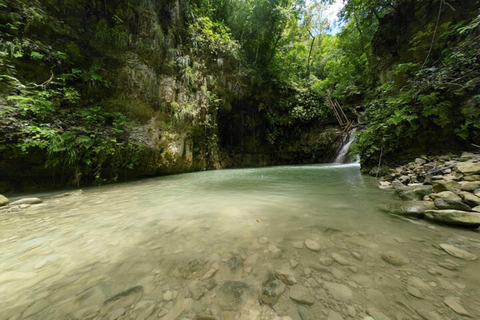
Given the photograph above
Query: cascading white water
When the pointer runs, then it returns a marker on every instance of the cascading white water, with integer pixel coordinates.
(342, 153)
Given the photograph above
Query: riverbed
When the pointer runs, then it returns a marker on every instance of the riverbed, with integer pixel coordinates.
(305, 242)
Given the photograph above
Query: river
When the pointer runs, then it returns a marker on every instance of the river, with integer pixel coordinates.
(211, 244)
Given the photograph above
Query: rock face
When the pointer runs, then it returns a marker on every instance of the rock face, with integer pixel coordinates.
(458, 253)
(442, 203)
(454, 217)
(3, 200)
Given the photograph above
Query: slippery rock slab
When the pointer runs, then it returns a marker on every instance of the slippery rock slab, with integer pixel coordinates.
(87, 313)
(340, 259)
(454, 217)
(123, 299)
(297, 244)
(412, 208)
(413, 192)
(446, 204)
(3, 200)
(473, 177)
(332, 315)
(301, 294)
(470, 186)
(417, 283)
(428, 315)
(394, 258)
(477, 192)
(415, 292)
(457, 252)
(442, 185)
(469, 168)
(376, 314)
(312, 245)
(446, 195)
(26, 201)
(455, 305)
(339, 291)
(470, 199)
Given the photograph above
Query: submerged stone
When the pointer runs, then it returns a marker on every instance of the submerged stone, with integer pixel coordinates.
(458, 253)
(312, 245)
(394, 258)
(271, 292)
(301, 294)
(455, 305)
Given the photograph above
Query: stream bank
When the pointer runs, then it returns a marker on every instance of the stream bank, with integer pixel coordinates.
(443, 189)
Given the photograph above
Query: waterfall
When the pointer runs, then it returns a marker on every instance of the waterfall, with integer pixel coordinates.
(342, 153)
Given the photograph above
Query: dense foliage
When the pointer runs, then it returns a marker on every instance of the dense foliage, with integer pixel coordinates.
(79, 79)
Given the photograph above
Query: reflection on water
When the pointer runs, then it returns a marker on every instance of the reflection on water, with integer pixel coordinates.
(204, 243)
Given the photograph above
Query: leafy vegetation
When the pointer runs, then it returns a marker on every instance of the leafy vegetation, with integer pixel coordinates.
(79, 80)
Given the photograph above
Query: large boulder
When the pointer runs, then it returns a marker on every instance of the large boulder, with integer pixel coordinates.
(442, 204)
(470, 199)
(469, 168)
(470, 186)
(442, 185)
(414, 192)
(454, 217)
(446, 195)
(3, 201)
(412, 208)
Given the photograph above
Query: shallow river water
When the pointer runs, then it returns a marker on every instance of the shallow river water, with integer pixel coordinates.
(212, 245)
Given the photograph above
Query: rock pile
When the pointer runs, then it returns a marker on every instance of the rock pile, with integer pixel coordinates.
(444, 189)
